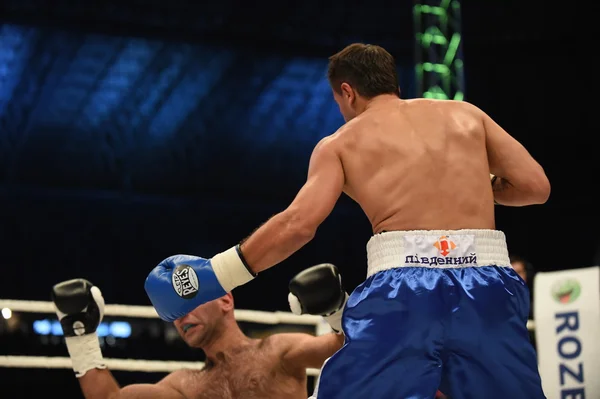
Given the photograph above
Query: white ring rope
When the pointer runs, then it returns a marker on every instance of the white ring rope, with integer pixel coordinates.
(55, 362)
(148, 366)
(148, 312)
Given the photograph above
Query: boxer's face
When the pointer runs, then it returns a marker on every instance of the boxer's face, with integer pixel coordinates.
(345, 101)
(199, 327)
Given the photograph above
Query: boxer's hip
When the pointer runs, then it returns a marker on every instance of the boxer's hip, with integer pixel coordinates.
(443, 249)
(422, 322)
(431, 297)
(432, 276)
(444, 269)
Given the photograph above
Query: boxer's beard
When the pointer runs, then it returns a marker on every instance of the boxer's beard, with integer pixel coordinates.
(208, 335)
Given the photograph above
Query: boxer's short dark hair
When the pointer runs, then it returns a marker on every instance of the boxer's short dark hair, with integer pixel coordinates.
(369, 69)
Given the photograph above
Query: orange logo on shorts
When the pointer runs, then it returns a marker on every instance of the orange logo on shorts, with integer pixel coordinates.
(444, 245)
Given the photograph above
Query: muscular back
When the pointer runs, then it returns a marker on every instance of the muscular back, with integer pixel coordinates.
(418, 165)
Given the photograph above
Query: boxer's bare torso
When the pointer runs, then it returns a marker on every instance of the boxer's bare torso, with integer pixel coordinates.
(417, 165)
(252, 371)
(411, 165)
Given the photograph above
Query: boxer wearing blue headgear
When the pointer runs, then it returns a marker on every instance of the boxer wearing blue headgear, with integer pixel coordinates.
(236, 366)
(441, 307)
(182, 282)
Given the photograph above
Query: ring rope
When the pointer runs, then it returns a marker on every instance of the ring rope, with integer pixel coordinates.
(149, 366)
(148, 312)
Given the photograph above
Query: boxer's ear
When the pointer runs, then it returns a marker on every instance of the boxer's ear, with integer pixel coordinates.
(226, 301)
(348, 93)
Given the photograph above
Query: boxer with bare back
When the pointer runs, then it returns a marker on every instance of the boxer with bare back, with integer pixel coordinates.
(441, 306)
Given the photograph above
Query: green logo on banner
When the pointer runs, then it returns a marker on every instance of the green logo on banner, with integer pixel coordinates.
(566, 291)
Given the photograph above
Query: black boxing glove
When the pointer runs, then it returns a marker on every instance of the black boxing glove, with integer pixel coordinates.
(79, 306)
(318, 290)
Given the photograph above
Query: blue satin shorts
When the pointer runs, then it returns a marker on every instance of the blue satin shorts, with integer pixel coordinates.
(413, 330)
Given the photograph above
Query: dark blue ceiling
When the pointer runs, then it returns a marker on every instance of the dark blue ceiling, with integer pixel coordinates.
(136, 114)
(118, 148)
(148, 119)
(312, 27)
(119, 106)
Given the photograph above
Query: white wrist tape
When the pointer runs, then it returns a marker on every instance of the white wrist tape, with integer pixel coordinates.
(335, 319)
(294, 303)
(85, 353)
(230, 269)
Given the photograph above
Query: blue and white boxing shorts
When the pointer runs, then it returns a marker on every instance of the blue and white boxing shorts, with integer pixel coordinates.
(439, 310)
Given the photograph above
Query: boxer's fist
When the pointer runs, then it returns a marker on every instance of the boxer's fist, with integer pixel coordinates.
(318, 290)
(79, 306)
(181, 283)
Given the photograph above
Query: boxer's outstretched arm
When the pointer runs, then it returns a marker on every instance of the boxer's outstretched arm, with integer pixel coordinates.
(290, 230)
(79, 306)
(100, 384)
(302, 351)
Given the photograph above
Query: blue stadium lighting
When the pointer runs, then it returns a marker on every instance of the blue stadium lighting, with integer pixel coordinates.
(117, 329)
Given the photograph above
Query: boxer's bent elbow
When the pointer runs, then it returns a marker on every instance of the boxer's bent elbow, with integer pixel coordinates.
(530, 189)
(543, 191)
(539, 189)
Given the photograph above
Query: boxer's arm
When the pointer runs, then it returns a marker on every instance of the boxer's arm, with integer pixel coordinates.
(100, 384)
(308, 351)
(290, 230)
(520, 179)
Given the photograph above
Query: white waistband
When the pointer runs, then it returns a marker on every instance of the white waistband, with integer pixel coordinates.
(436, 248)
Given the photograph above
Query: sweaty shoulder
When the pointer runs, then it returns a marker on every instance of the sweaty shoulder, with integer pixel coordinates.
(329, 143)
(178, 379)
(276, 342)
(279, 344)
(328, 146)
(345, 135)
(444, 106)
(457, 116)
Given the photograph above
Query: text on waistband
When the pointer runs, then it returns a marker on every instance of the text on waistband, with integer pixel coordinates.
(453, 249)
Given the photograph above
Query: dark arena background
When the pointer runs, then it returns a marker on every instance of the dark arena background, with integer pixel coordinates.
(134, 130)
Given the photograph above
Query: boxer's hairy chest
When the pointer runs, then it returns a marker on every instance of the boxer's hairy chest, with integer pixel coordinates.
(254, 372)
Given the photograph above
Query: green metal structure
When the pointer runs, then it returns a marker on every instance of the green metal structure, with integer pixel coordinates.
(439, 64)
